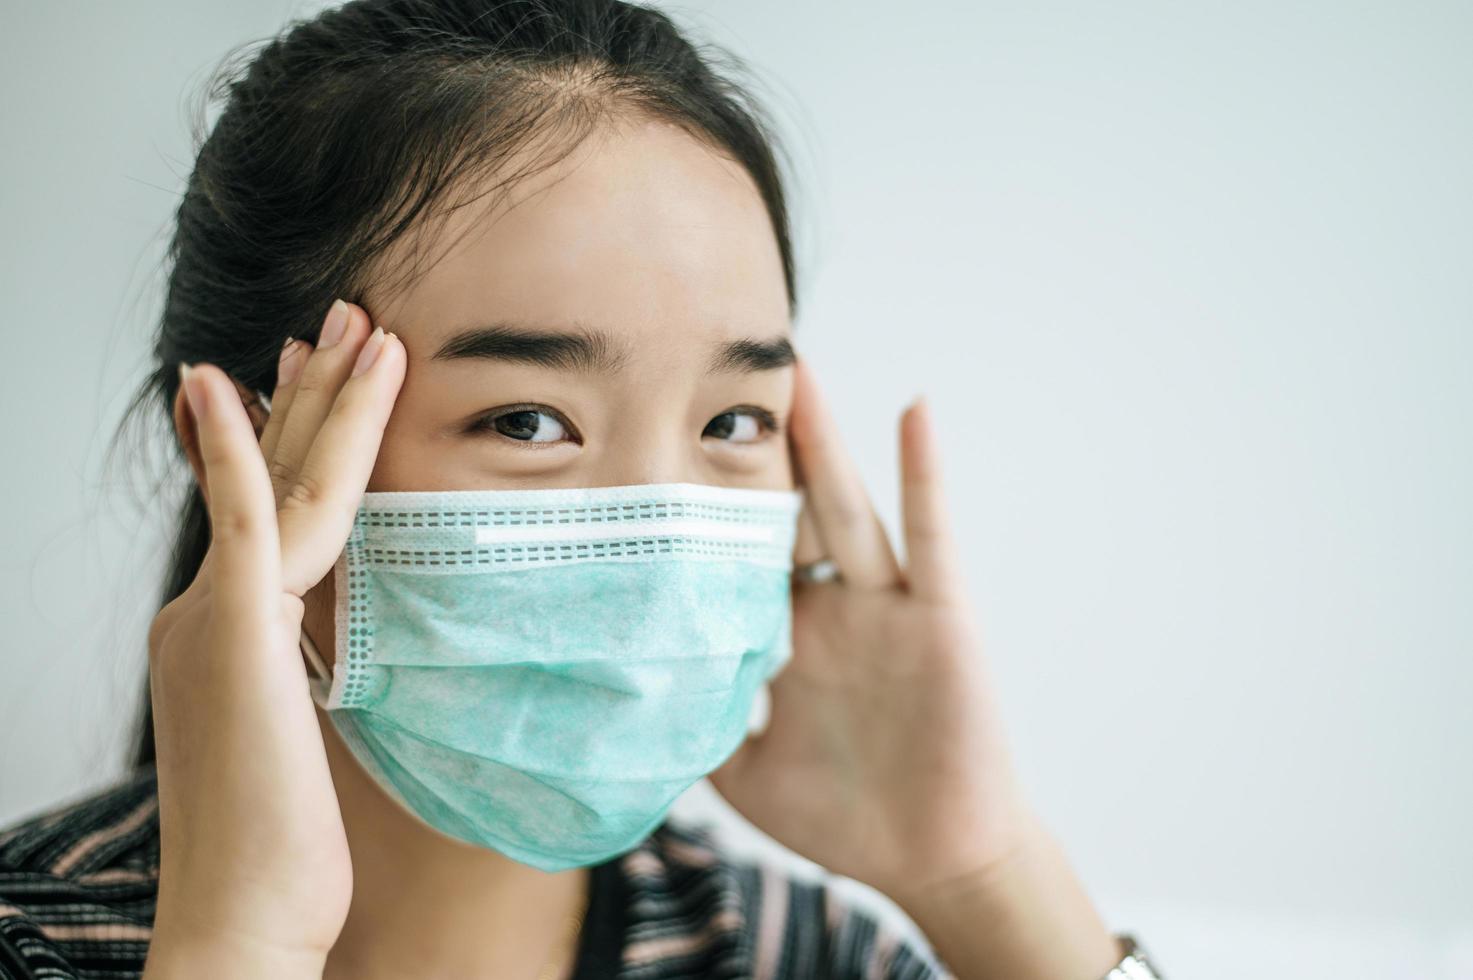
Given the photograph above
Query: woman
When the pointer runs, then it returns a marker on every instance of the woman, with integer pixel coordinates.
(488, 576)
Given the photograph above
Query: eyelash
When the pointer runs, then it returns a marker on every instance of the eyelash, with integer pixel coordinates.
(769, 423)
(487, 423)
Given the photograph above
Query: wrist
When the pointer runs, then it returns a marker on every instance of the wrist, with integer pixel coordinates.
(1022, 916)
(963, 860)
(177, 951)
(996, 882)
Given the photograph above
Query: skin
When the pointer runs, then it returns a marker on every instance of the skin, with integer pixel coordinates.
(883, 759)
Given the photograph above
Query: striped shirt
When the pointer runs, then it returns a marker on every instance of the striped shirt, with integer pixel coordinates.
(78, 885)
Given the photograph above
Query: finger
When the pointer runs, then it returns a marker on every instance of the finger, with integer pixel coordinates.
(808, 547)
(288, 370)
(317, 514)
(845, 519)
(932, 567)
(243, 539)
(327, 368)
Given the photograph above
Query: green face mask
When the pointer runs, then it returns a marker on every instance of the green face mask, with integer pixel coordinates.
(543, 672)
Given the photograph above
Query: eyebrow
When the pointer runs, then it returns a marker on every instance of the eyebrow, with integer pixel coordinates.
(566, 350)
(753, 355)
(590, 350)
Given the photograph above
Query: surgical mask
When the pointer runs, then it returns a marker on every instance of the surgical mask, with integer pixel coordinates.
(544, 672)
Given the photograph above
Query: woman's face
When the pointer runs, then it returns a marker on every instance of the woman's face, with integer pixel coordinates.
(620, 318)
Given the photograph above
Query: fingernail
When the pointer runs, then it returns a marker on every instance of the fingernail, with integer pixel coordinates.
(192, 392)
(289, 368)
(334, 326)
(370, 352)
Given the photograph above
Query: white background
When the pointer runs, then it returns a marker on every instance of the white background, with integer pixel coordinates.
(1189, 287)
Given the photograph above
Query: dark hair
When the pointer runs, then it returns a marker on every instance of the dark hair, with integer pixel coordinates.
(346, 132)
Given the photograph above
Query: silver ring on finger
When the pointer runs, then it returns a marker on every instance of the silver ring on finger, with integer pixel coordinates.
(817, 572)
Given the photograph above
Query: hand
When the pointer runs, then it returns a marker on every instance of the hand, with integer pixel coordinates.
(883, 759)
(254, 858)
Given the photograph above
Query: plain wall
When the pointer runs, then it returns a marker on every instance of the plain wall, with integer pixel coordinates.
(1188, 285)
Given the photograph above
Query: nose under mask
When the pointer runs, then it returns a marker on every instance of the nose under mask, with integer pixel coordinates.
(544, 672)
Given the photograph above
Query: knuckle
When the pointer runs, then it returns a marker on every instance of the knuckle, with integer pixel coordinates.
(281, 472)
(234, 525)
(849, 513)
(214, 454)
(922, 529)
(346, 405)
(166, 621)
(305, 491)
(312, 383)
(158, 630)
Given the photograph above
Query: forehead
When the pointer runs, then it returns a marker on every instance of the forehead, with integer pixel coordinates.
(642, 231)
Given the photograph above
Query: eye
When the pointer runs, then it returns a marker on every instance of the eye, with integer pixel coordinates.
(526, 423)
(745, 424)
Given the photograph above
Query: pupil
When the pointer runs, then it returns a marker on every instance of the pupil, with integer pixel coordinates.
(517, 425)
(722, 425)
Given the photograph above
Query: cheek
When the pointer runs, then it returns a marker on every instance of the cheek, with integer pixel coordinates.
(777, 472)
(765, 466)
